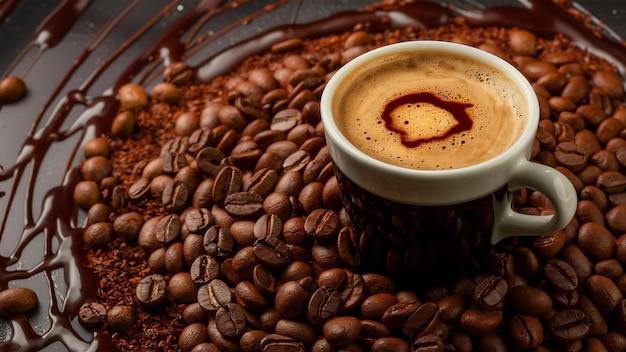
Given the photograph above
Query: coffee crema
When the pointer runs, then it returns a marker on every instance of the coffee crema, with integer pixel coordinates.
(430, 111)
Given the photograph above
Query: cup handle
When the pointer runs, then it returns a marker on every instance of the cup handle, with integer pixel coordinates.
(553, 184)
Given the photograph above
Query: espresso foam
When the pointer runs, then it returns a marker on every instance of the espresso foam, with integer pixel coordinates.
(494, 104)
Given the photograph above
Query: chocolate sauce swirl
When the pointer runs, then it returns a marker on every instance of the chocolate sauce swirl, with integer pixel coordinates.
(72, 99)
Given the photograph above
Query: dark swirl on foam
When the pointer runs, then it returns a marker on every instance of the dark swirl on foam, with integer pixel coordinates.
(72, 99)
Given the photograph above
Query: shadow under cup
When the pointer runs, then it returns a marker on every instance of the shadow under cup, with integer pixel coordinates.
(425, 228)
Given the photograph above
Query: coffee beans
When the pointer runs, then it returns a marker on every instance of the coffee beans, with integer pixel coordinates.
(239, 212)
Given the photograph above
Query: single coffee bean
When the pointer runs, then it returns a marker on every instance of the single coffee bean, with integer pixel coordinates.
(230, 320)
(324, 304)
(348, 248)
(560, 275)
(569, 325)
(596, 241)
(428, 343)
(128, 226)
(121, 318)
(272, 252)
(204, 269)
(297, 330)
(276, 342)
(529, 300)
(244, 205)
(168, 229)
(218, 242)
(385, 344)
(227, 182)
(526, 331)
(268, 225)
(422, 321)
(546, 246)
(152, 291)
(213, 295)
(265, 281)
(341, 331)
(322, 224)
(263, 182)
(92, 314)
(581, 264)
(291, 299)
(374, 306)
(603, 292)
(172, 154)
(475, 321)
(490, 291)
(98, 234)
(249, 297)
(175, 196)
(17, 300)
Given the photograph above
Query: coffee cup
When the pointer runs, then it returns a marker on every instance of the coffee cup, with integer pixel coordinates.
(430, 142)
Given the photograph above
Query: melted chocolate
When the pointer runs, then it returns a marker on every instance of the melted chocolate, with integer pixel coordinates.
(456, 109)
(40, 236)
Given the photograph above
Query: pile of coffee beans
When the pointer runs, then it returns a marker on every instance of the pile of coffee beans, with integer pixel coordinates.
(215, 223)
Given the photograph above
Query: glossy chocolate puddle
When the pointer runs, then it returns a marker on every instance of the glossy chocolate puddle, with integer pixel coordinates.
(40, 243)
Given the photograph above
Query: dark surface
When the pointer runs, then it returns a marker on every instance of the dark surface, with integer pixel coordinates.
(20, 210)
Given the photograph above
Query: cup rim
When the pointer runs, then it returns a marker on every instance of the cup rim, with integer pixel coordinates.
(332, 130)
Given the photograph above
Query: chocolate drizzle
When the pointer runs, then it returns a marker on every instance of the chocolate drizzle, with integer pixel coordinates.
(40, 239)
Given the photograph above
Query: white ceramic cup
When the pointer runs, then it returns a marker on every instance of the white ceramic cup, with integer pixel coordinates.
(510, 170)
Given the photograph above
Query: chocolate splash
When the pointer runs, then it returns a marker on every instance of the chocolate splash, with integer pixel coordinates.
(40, 237)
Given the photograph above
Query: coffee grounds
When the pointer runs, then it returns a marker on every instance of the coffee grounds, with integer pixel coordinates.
(581, 134)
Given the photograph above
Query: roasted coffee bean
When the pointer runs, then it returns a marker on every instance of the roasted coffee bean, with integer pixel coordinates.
(587, 211)
(422, 321)
(165, 92)
(278, 203)
(198, 220)
(546, 246)
(291, 299)
(121, 318)
(352, 291)
(173, 154)
(297, 330)
(603, 292)
(341, 331)
(244, 205)
(322, 224)
(152, 291)
(227, 182)
(175, 258)
(12, 89)
(475, 321)
(263, 182)
(214, 295)
(276, 342)
(193, 335)
(92, 314)
(98, 234)
(250, 297)
(218, 242)
(296, 161)
(168, 229)
(374, 306)
(17, 300)
(560, 275)
(428, 343)
(490, 291)
(244, 261)
(265, 281)
(526, 331)
(182, 288)
(86, 194)
(230, 320)
(286, 119)
(175, 196)
(296, 270)
(596, 241)
(347, 247)
(204, 269)
(599, 325)
(616, 220)
(529, 300)
(132, 96)
(569, 325)
(95, 168)
(581, 264)
(272, 251)
(611, 182)
(268, 225)
(310, 197)
(324, 304)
